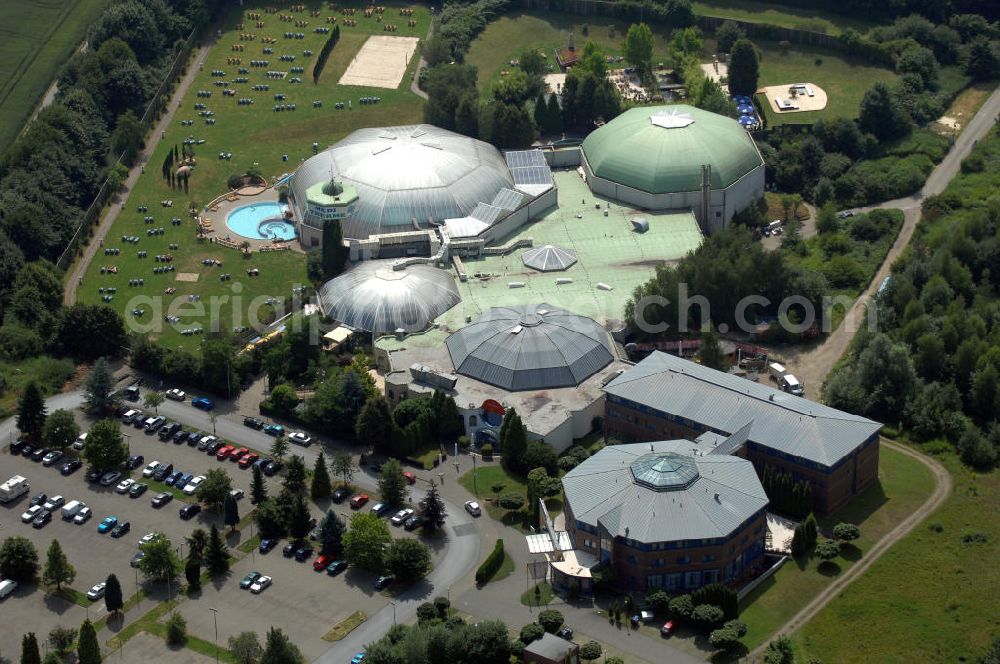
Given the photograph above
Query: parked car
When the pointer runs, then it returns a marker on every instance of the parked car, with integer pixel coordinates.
(97, 591)
(336, 567)
(272, 468)
(193, 439)
(110, 477)
(667, 629)
(71, 467)
(51, 458)
(137, 489)
(400, 517)
(322, 562)
(565, 633)
(38, 499)
(83, 516)
(175, 394)
(18, 446)
(94, 475)
(192, 486)
(150, 468)
(253, 423)
(250, 579)
(214, 447)
(358, 501)
(149, 537)
(153, 424)
(300, 438)
(205, 441)
(181, 437)
(237, 493)
(203, 403)
(43, 517)
(135, 461)
(29, 514)
(173, 478)
(78, 444)
(124, 485)
(414, 522)
(54, 503)
(303, 553)
(289, 549)
(121, 529)
(27, 450)
(260, 585)
(274, 430)
(39, 454)
(190, 511)
(473, 508)
(236, 455)
(266, 545)
(339, 494)
(358, 659)
(224, 452)
(384, 581)
(107, 524)
(163, 471)
(161, 499)
(168, 431)
(137, 558)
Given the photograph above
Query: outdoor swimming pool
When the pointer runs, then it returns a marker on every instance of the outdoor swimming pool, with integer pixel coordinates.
(261, 221)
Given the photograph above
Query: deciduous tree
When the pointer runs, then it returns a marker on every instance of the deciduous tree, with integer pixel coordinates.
(280, 650)
(104, 447)
(214, 488)
(374, 424)
(18, 559)
(60, 429)
(160, 562)
(392, 484)
(342, 466)
(407, 559)
(245, 648)
(364, 541)
(638, 46)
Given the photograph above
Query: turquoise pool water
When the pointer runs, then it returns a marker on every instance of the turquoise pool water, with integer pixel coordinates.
(261, 221)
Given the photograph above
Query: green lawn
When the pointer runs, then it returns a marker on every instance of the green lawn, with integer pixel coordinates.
(38, 37)
(486, 477)
(254, 134)
(904, 484)
(930, 598)
(844, 81)
(544, 596)
(50, 373)
(800, 18)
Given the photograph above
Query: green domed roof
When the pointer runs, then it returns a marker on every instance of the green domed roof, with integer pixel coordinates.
(660, 149)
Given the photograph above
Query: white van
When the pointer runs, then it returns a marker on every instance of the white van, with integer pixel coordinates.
(776, 372)
(80, 442)
(773, 228)
(791, 384)
(70, 509)
(7, 587)
(129, 415)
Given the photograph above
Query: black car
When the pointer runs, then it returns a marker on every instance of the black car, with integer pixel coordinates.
(383, 582)
(71, 466)
(214, 447)
(414, 522)
(267, 544)
(27, 451)
(110, 477)
(272, 468)
(376, 466)
(94, 475)
(193, 438)
(289, 549)
(303, 552)
(253, 423)
(164, 471)
(565, 633)
(340, 494)
(43, 518)
(17, 446)
(161, 499)
(137, 489)
(180, 437)
(190, 511)
(121, 529)
(39, 499)
(39, 454)
(135, 461)
(168, 431)
(336, 567)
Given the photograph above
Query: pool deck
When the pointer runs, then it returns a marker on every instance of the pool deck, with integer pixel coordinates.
(223, 232)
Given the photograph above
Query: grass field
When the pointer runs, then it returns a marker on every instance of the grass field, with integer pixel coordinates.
(931, 597)
(813, 20)
(257, 137)
(844, 81)
(904, 484)
(38, 36)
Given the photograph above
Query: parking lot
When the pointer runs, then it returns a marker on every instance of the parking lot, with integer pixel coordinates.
(305, 603)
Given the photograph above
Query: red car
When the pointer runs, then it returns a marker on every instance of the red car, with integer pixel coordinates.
(667, 629)
(248, 460)
(322, 562)
(238, 454)
(410, 477)
(224, 452)
(358, 501)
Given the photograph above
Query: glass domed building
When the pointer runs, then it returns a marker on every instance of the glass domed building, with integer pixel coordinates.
(394, 179)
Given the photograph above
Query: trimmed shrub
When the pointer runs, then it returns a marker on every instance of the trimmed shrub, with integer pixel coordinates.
(491, 564)
(324, 53)
(531, 632)
(550, 620)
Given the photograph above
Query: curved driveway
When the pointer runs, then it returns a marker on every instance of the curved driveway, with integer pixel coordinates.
(462, 538)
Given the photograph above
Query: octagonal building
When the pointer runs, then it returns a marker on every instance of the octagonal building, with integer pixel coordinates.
(675, 157)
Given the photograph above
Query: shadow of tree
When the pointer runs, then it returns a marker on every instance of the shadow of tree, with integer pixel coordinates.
(849, 551)
(828, 568)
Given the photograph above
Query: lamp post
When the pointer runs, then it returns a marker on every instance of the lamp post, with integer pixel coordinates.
(215, 620)
(138, 595)
(475, 489)
(393, 613)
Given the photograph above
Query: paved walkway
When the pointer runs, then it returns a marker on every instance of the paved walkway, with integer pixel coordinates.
(120, 200)
(941, 492)
(813, 364)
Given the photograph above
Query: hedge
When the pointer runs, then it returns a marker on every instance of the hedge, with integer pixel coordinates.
(491, 564)
(324, 54)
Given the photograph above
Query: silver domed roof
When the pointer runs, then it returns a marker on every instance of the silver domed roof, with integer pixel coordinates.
(530, 347)
(667, 471)
(549, 258)
(373, 297)
(407, 173)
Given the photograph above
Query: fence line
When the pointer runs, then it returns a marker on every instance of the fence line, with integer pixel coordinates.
(156, 105)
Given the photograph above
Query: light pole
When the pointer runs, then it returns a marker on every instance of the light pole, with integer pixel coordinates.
(128, 444)
(393, 613)
(475, 490)
(253, 553)
(215, 619)
(138, 594)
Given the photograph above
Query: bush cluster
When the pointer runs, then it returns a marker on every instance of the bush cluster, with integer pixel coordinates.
(491, 564)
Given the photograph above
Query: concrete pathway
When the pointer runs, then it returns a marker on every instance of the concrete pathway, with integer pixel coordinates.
(119, 201)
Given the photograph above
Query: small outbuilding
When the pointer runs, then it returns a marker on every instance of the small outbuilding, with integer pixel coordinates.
(552, 650)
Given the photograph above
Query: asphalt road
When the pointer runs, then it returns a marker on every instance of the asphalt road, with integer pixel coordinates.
(462, 537)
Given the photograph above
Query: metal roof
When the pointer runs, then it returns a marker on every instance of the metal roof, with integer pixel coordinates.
(719, 492)
(407, 173)
(665, 471)
(530, 347)
(660, 149)
(725, 403)
(551, 647)
(372, 296)
(549, 258)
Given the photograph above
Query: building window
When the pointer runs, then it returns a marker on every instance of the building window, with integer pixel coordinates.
(707, 558)
(692, 579)
(654, 581)
(683, 560)
(710, 576)
(672, 581)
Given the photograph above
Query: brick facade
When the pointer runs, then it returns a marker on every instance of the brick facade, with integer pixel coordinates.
(832, 487)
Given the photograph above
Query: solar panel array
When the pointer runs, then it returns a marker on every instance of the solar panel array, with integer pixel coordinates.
(529, 167)
(507, 199)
